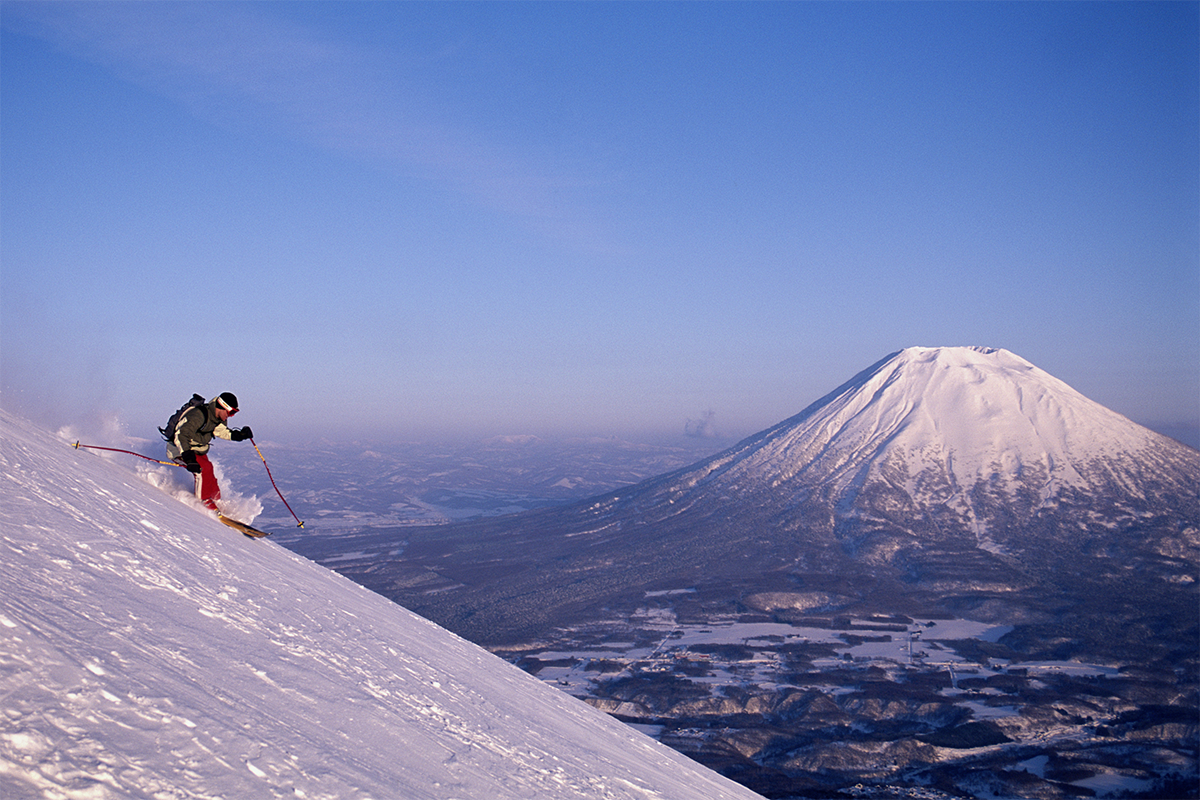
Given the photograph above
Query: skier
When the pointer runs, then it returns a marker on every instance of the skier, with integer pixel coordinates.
(194, 431)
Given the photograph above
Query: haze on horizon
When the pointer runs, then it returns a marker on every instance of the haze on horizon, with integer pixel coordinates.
(422, 219)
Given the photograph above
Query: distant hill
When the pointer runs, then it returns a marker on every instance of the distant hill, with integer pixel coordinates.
(963, 481)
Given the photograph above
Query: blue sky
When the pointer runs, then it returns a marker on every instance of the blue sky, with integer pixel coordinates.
(423, 219)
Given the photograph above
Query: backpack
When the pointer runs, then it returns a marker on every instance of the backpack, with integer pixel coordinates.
(168, 431)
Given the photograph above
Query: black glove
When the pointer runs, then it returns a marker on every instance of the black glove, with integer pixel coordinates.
(189, 460)
(241, 434)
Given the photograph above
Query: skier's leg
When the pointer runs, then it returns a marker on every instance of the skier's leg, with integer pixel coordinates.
(206, 483)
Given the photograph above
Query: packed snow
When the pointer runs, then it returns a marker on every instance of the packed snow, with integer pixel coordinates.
(147, 651)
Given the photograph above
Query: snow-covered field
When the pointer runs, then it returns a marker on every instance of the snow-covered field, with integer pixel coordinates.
(928, 645)
(639, 668)
(148, 651)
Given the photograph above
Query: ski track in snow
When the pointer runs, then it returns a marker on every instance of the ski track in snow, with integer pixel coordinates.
(146, 651)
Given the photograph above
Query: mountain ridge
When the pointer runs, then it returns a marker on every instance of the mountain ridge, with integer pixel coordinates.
(874, 429)
(939, 478)
(902, 420)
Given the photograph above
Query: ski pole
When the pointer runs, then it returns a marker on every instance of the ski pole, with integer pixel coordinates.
(77, 445)
(272, 477)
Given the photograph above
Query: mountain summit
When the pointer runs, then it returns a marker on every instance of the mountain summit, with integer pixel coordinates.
(978, 437)
(939, 480)
(951, 417)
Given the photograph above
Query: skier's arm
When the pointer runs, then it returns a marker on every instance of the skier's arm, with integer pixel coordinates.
(233, 434)
(188, 457)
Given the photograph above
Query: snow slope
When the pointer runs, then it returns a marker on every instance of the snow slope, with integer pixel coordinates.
(146, 651)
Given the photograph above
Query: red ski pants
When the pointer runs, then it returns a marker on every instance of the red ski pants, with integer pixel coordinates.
(206, 482)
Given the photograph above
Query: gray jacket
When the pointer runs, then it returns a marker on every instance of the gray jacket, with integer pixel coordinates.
(196, 430)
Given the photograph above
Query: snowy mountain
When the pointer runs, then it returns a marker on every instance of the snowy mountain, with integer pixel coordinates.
(946, 480)
(148, 651)
(937, 422)
(975, 440)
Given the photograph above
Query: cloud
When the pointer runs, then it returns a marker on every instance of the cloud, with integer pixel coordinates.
(702, 428)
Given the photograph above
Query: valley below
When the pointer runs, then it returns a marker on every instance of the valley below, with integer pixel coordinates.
(803, 694)
(890, 705)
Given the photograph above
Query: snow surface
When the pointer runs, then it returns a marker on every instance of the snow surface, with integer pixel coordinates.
(147, 651)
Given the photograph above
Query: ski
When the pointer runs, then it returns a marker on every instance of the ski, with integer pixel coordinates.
(249, 530)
